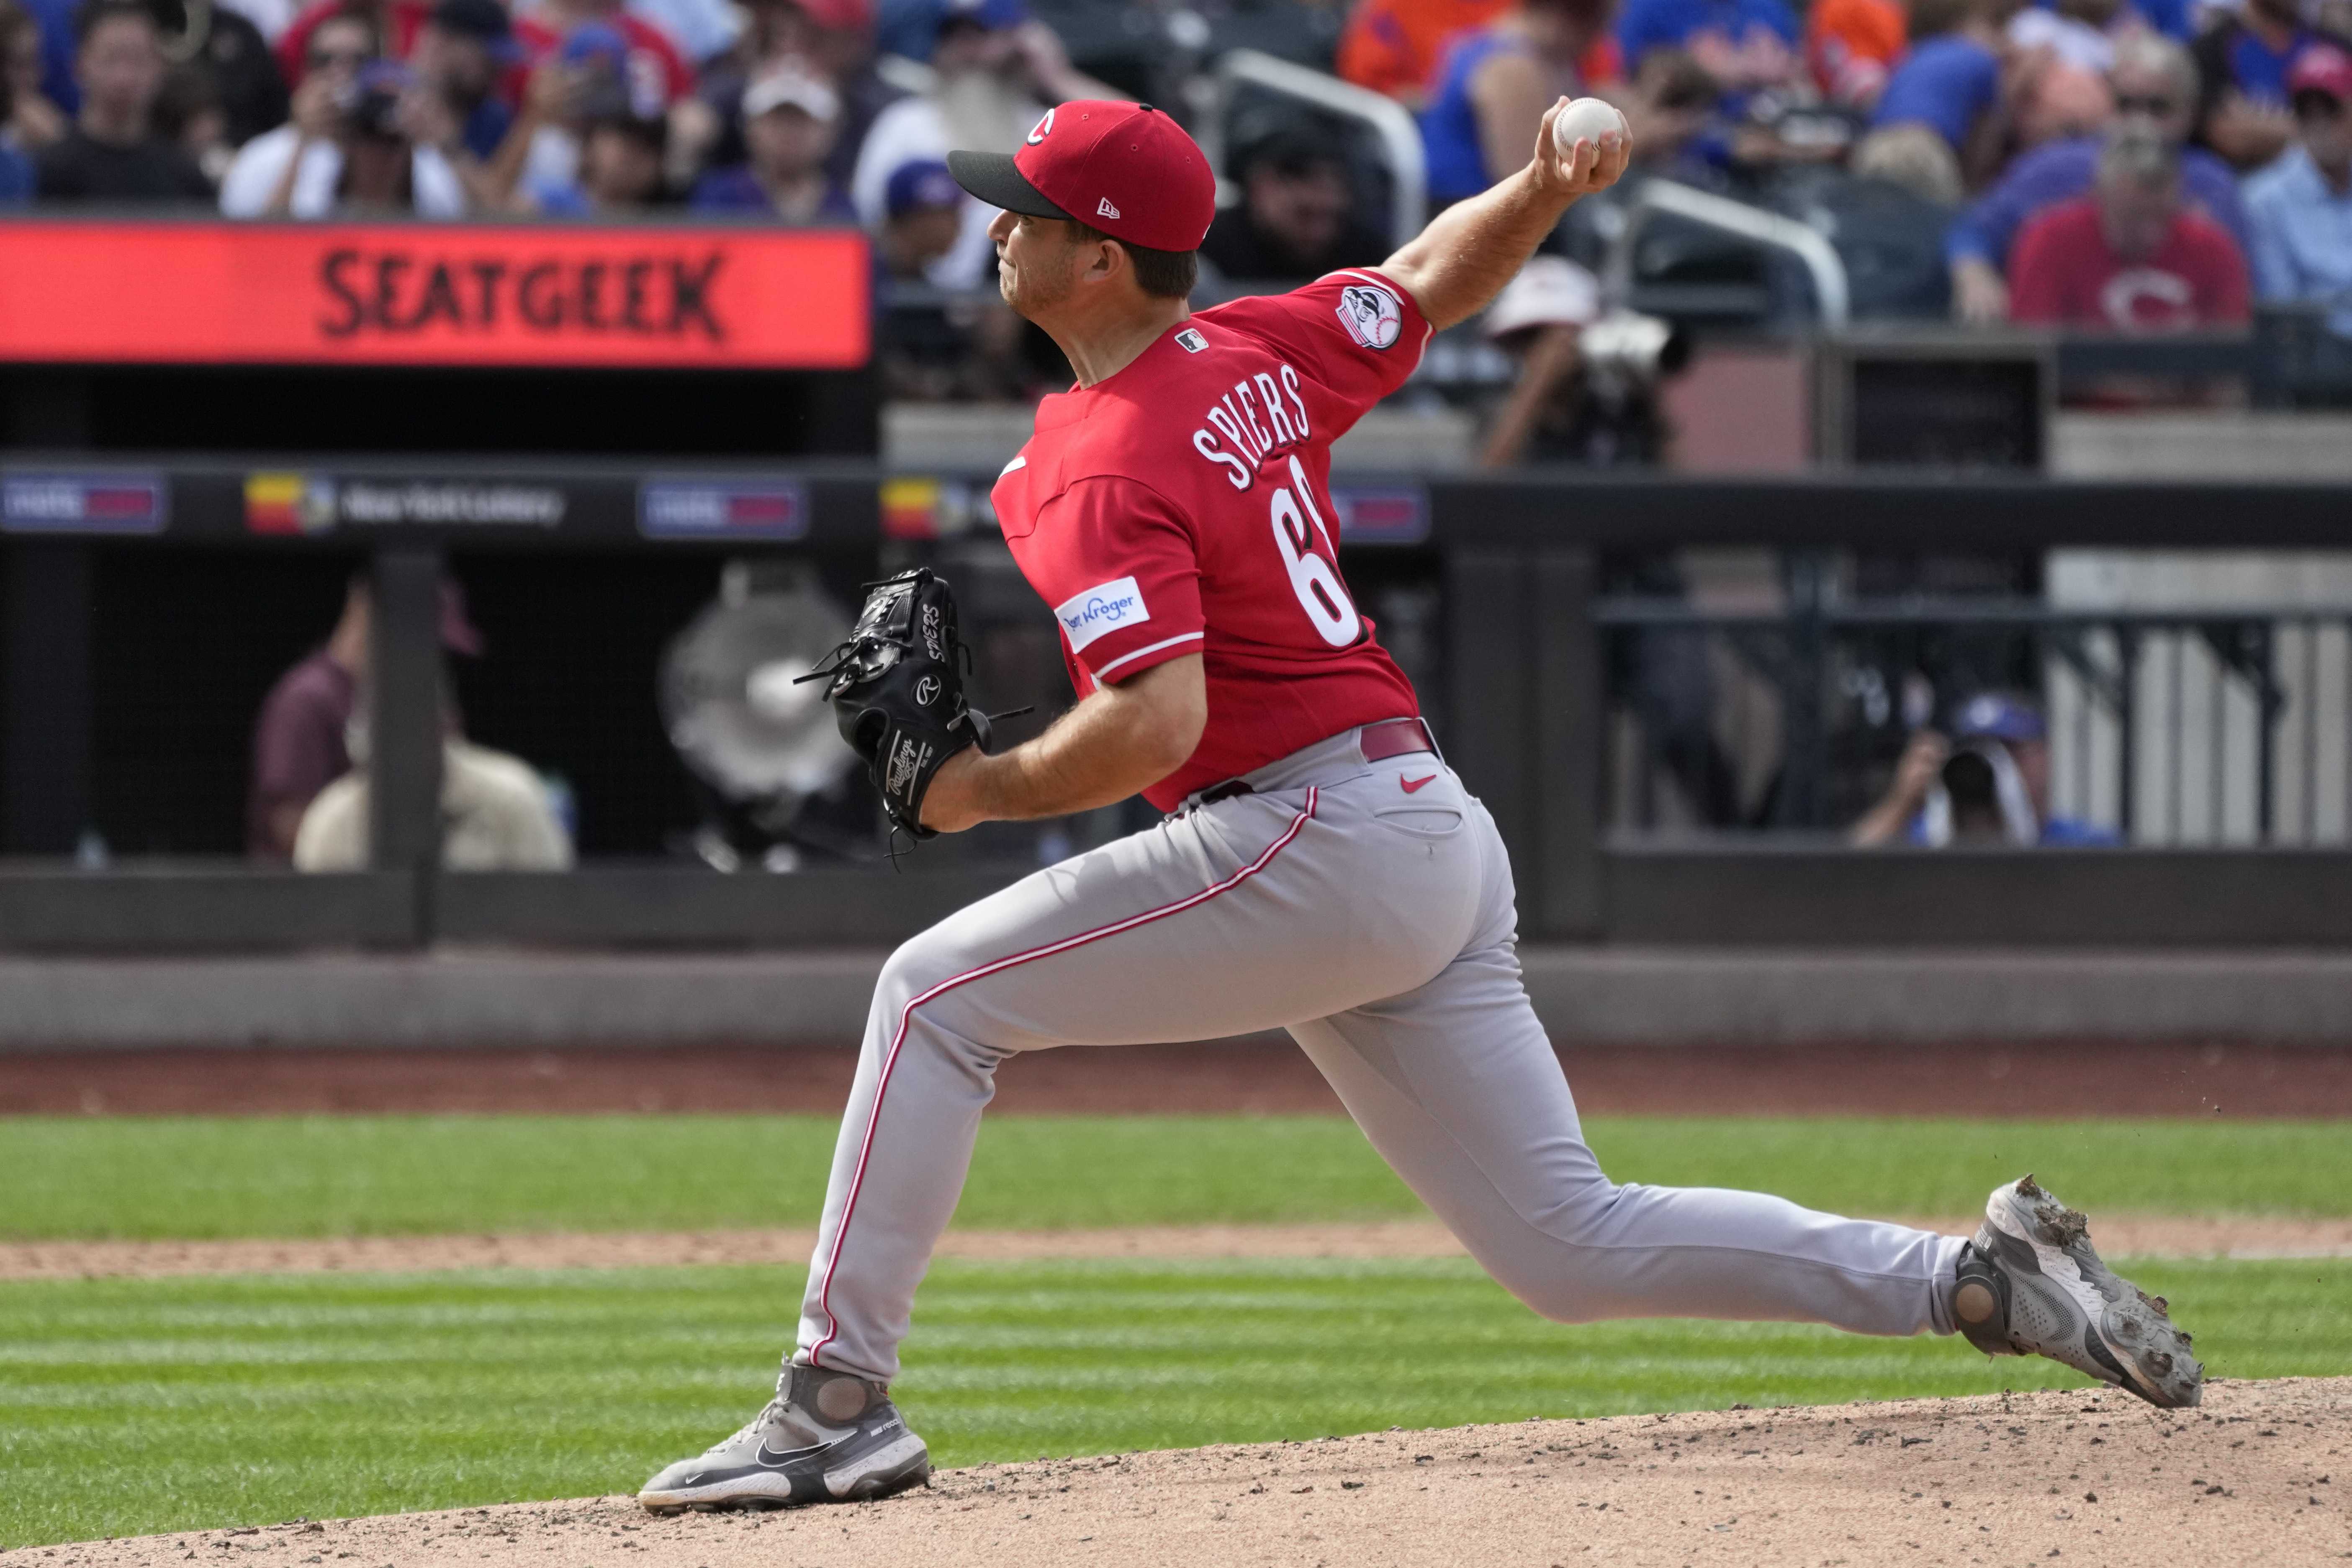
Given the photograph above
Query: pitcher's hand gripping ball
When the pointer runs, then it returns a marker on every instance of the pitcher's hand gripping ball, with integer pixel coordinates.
(896, 691)
(1585, 119)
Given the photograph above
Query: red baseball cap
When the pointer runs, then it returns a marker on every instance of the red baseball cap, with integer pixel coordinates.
(2321, 68)
(1123, 168)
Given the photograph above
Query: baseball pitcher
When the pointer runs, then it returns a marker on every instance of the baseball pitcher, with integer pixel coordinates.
(1319, 870)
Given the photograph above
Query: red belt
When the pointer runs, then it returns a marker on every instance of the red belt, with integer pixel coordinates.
(1375, 742)
(1394, 738)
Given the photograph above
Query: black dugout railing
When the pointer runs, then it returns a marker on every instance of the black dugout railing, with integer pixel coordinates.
(1525, 700)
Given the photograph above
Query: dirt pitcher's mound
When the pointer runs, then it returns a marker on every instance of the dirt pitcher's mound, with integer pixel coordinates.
(2119, 1235)
(2262, 1473)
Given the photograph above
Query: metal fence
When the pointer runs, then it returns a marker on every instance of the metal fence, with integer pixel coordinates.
(2164, 726)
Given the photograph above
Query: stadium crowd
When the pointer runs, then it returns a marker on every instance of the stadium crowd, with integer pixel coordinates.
(2135, 164)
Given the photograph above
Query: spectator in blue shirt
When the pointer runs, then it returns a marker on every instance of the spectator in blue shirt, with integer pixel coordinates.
(2302, 204)
(620, 173)
(1493, 85)
(32, 121)
(15, 169)
(1743, 43)
(1951, 80)
(907, 26)
(790, 119)
(465, 48)
(2155, 83)
(58, 84)
(16, 30)
(2243, 111)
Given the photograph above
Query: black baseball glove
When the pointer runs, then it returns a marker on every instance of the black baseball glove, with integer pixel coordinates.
(896, 691)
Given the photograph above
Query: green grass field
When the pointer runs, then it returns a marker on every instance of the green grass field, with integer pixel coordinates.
(260, 1398)
(391, 1175)
(257, 1399)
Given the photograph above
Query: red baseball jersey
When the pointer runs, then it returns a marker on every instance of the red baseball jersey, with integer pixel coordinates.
(1183, 506)
(2063, 272)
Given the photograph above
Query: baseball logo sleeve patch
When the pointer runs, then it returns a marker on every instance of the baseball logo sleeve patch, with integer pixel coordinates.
(1098, 611)
(1371, 314)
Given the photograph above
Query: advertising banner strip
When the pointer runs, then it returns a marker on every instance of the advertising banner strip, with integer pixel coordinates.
(444, 294)
(1382, 514)
(723, 509)
(46, 501)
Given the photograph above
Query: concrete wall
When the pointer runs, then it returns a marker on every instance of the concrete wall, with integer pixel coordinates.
(1584, 997)
(2201, 444)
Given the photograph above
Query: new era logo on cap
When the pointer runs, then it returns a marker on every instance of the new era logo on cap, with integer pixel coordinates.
(1096, 160)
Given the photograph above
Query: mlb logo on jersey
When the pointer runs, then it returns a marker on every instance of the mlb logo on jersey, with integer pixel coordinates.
(1101, 610)
(1371, 314)
(1191, 342)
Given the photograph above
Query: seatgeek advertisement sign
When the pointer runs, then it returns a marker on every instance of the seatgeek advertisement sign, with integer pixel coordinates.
(651, 296)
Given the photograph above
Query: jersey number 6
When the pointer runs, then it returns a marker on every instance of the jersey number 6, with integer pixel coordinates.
(1321, 593)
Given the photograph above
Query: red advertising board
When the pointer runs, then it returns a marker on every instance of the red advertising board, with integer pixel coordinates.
(651, 296)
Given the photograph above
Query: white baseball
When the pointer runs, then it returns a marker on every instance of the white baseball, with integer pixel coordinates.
(1585, 119)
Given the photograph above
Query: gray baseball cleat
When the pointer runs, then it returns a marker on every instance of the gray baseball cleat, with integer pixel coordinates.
(2031, 1284)
(827, 1437)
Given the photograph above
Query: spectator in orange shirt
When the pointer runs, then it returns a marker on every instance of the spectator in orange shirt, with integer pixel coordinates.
(2130, 258)
(1852, 47)
(1393, 46)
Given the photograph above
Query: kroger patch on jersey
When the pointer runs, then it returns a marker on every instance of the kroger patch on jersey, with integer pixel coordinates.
(1371, 314)
(1099, 611)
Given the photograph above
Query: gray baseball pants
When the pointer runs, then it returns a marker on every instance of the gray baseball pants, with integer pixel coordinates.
(1374, 923)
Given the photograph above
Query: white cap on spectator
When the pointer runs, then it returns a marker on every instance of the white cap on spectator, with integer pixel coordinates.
(1549, 291)
(790, 84)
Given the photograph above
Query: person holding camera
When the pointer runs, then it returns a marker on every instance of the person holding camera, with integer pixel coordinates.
(351, 144)
(1989, 782)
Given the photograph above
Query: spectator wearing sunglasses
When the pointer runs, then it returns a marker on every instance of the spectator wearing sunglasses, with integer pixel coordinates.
(393, 24)
(2302, 204)
(2155, 85)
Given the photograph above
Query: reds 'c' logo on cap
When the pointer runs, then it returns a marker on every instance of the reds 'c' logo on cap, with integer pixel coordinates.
(1125, 167)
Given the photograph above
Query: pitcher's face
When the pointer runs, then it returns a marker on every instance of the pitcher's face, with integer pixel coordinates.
(1037, 261)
